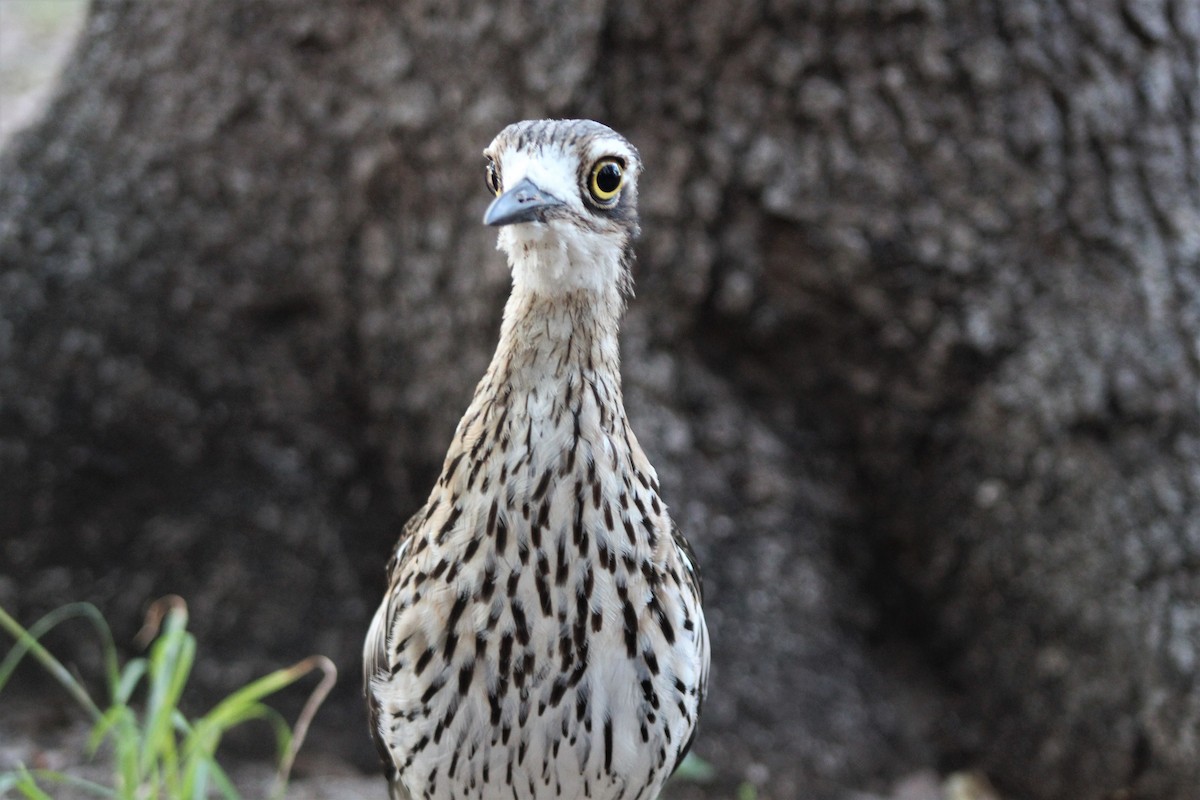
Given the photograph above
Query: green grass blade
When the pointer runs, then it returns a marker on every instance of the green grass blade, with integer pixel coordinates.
(130, 677)
(230, 717)
(31, 791)
(169, 763)
(283, 732)
(126, 753)
(243, 705)
(27, 785)
(118, 721)
(159, 754)
(200, 764)
(200, 746)
(170, 664)
(8, 782)
(27, 642)
(54, 777)
(194, 780)
(250, 694)
(197, 779)
(224, 785)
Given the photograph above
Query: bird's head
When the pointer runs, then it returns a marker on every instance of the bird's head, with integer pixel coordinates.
(566, 204)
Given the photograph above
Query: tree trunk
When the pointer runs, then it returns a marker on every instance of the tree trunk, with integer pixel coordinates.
(915, 348)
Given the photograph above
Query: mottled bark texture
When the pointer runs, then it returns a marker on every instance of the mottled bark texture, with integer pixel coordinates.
(915, 348)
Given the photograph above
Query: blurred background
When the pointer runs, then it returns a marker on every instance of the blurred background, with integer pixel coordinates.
(35, 38)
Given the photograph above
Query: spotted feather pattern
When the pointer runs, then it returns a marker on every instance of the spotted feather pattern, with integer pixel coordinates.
(542, 634)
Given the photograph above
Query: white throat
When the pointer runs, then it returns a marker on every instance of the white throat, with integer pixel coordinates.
(558, 258)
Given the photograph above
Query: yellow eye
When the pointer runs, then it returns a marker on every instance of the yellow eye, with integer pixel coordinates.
(606, 180)
(493, 178)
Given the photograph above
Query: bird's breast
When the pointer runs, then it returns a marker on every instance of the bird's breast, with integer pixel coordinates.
(544, 622)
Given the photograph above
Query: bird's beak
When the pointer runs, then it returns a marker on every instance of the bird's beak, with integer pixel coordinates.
(524, 202)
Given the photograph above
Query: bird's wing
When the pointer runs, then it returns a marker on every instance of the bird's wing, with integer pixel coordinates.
(688, 556)
(375, 657)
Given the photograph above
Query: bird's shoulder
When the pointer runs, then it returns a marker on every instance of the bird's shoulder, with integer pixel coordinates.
(404, 546)
(688, 557)
(375, 657)
(375, 649)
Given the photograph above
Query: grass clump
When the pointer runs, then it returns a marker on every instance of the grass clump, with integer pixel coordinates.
(157, 752)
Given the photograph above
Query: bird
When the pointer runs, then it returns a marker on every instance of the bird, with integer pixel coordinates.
(542, 634)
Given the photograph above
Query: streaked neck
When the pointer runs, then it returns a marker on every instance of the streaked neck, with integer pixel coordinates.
(544, 338)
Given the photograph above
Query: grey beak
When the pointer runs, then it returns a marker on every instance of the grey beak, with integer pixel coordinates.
(524, 202)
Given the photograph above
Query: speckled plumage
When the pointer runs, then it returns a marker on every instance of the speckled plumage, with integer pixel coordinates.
(542, 634)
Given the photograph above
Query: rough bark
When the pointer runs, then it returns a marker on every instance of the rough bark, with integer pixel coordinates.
(915, 348)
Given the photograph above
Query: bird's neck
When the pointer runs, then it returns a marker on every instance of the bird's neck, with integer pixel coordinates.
(546, 340)
(549, 404)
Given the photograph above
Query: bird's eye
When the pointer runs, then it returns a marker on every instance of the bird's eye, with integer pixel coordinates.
(606, 180)
(493, 178)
